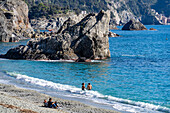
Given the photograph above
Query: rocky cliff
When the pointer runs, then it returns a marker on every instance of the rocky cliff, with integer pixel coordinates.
(14, 22)
(120, 13)
(55, 22)
(124, 10)
(121, 10)
(88, 39)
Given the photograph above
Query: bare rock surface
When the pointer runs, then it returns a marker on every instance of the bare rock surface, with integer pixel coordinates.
(134, 25)
(88, 38)
(111, 34)
(54, 23)
(153, 29)
(14, 22)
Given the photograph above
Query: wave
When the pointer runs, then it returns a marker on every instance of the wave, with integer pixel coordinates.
(117, 103)
(55, 60)
(3, 59)
(65, 60)
(97, 61)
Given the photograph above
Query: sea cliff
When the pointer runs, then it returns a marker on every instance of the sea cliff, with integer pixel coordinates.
(14, 21)
(87, 39)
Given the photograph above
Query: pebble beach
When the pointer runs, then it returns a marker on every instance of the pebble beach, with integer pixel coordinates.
(18, 100)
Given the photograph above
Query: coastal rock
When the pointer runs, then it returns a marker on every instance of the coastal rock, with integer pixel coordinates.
(88, 39)
(4, 31)
(124, 10)
(111, 34)
(120, 12)
(67, 24)
(113, 26)
(54, 23)
(14, 22)
(153, 29)
(134, 25)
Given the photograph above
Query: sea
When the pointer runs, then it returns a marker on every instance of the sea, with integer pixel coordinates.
(136, 79)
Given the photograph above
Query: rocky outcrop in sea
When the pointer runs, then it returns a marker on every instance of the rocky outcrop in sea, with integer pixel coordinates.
(88, 39)
(55, 22)
(14, 22)
(111, 34)
(134, 25)
(153, 29)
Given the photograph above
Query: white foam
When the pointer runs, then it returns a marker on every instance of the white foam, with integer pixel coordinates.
(97, 61)
(3, 59)
(117, 103)
(65, 60)
(55, 60)
(4, 81)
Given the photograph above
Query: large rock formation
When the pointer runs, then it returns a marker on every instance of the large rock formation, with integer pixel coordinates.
(87, 39)
(54, 23)
(134, 25)
(14, 22)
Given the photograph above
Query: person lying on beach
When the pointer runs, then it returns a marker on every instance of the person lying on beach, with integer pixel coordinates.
(89, 86)
(83, 86)
(51, 104)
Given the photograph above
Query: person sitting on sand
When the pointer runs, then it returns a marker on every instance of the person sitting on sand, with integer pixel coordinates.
(89, 86)
(83, 86)
(45, 103)
(56, 104)
(51, 104)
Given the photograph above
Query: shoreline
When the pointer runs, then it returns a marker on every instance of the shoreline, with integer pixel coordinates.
(14, 100)
(24, 81)
(113, 108)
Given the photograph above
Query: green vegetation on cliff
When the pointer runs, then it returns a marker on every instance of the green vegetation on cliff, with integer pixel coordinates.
(39, 8)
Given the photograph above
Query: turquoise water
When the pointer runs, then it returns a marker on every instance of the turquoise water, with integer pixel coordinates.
(135, 79)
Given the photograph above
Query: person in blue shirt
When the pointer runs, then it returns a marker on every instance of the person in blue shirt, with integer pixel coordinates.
(51, 104)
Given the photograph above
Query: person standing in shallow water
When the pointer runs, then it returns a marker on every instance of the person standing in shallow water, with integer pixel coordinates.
(83, 86)
(89, 86)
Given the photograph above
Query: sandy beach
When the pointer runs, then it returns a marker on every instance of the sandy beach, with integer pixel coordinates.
(19, 100)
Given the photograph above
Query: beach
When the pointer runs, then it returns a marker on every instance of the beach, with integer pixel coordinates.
(19, 100)
(134, 79)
